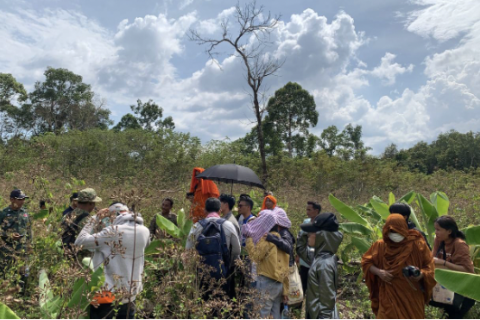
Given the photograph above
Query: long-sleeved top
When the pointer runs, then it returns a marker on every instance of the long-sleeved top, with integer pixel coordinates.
(322, 276)
(119, 244)
(230, 217)
(284, 243)
(271, 261)
(230, 237)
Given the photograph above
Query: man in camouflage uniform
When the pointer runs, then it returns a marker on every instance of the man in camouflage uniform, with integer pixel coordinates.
(73, 222)
(15, 232)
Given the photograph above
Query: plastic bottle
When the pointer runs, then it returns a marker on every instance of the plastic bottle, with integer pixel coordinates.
(285, 312)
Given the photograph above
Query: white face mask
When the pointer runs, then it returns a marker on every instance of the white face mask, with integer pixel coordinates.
(395, 237)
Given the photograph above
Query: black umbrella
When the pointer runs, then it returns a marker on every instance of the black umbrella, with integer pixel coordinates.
(232, 173)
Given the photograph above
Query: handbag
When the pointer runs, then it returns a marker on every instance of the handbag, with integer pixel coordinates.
(295, 292)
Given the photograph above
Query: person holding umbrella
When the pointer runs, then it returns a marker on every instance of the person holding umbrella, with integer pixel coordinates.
(202, 190)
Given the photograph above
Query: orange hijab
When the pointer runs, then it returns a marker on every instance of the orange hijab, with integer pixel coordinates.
(396, 254)
(207, 186)
(272, 198)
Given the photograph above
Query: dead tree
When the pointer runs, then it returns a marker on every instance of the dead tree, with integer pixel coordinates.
(250, 21)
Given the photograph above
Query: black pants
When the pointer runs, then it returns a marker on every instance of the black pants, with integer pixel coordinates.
(107, 311)
(455, 313)
(304, 277)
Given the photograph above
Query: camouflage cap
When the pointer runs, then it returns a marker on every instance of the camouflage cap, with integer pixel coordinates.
(88, 195)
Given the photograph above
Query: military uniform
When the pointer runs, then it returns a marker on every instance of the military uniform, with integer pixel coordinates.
(14, 222)
(73, 222)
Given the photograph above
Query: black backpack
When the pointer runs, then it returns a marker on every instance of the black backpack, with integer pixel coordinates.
(212, 247)
(69, 234)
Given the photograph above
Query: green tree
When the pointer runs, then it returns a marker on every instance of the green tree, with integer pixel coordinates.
(353, 146)
(64, 102)
(390, 152)
(291, 111)
(330, 140)
(11, 116)
(147, 116)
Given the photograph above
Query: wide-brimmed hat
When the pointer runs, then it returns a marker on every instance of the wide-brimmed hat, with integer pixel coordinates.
(88, 195)
(324, 221)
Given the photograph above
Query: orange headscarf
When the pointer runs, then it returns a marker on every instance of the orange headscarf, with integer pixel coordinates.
(402, 298)
(202, 189)
(207, 186)
(272, 198)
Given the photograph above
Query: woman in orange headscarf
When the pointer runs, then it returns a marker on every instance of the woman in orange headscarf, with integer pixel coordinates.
(202, 190)
(269, 203)
(393, 295)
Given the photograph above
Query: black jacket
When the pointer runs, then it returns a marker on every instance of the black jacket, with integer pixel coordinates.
(285, 243)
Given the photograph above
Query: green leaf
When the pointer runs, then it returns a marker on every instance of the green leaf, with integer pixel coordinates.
(473, 235)
(6, 312)
(356, 228)
(429, 214)
(347, 212)
(41, 214)
(46, 294)
(441, 202)
(413, 217)
(186, 228)
(361, 244)
(346, 257)
(168, 226)
(408, 198)
(153, 246)
(466, 284)
(78, 292)
(391, 199)
(181, 218)
(380, 207)
(87, 262)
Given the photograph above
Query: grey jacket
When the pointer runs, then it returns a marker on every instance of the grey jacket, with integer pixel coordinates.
(323, 275)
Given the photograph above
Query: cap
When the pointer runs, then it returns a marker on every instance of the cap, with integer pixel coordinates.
(18, 194)
(324, 221)
(74, 196)
(88, 195)
(118, 208)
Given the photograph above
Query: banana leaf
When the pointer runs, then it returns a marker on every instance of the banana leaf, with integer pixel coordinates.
(391, 199)
(355, 228)
(413, 217)
(6, 312)
(440, 201)
(153, 246)
(463, 283)
(347, 212)
(380, 207)
(408, 198)
(361, 244)
(181, 218)
(473, 235)
(429, 213)
(168, 226)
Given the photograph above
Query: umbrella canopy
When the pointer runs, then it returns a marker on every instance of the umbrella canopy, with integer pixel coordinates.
(232, 173)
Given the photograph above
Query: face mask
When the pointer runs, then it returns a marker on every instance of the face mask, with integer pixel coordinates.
(395, 237)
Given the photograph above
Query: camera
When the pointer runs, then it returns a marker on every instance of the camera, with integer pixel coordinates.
(411, 271)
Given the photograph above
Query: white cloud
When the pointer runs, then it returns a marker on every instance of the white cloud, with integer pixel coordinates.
(388, 71)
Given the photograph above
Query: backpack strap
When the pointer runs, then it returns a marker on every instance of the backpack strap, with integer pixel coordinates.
(78, 219)
(225, 250)
(442, 247)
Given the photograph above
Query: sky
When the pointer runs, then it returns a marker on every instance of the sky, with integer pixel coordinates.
(405, 71)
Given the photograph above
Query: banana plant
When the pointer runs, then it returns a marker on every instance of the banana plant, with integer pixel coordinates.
(181, 232)
(472, 234)
(365, 222)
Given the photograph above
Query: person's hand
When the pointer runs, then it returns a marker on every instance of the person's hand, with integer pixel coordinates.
(285, 299)
(103, 213)
(439, 261)
(416, 279)
(297, 259)
(385, 275)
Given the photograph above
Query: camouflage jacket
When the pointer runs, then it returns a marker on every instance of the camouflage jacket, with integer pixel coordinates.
(69, 219)
(14, 221)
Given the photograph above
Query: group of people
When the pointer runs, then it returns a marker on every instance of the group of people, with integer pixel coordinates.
(252, 250)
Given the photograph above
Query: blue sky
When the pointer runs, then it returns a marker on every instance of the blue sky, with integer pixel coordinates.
(404, 70)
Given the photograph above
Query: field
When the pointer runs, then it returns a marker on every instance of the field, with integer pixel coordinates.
(44, 172)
